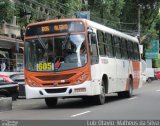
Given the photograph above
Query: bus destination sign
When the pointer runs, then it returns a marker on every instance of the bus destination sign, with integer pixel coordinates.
(52, 28)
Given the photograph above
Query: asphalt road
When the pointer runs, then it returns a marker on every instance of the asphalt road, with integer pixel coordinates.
(145, 104)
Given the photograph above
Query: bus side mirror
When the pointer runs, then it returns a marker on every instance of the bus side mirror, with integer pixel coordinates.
(90, 44)
(90, 30)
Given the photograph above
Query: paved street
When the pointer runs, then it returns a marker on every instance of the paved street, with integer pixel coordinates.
(143, 105)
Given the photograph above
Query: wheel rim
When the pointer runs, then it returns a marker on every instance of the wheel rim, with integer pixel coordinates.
(102, 95)
(149, 80)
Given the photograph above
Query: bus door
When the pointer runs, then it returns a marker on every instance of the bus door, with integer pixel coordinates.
(94, 57)
(110, 65)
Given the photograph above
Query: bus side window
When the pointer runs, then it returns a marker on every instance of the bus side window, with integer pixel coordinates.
(101, 43)
(93, 48)
(130, 50)
(136, 51)
(117, 49)
(109, 45)
(127, 55)
(93, 45)
(124, 49)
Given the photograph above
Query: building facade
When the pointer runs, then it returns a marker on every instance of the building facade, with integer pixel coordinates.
(11, 47)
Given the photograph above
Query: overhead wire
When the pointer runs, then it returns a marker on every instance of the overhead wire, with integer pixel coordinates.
(73, 9)
(62, 6)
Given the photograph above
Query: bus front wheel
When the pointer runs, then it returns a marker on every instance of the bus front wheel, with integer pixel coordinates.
(100, 99)
(51, 102)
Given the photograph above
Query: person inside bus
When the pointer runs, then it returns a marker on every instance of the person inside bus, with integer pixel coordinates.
(70, 48)
(70, 54)
(73, 58)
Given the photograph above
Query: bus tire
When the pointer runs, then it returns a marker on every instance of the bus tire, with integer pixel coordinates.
(14, 97)
(51, 102)
(100, 99)
(149, 80)
(129, 92)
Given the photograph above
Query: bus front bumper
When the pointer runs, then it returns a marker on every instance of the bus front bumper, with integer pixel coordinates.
(88, 88)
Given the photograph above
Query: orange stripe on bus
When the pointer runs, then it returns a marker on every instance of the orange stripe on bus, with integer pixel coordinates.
(136, 74)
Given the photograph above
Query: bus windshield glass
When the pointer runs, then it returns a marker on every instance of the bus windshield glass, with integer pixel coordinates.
(56, 53)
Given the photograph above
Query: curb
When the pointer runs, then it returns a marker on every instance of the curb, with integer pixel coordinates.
(5, 104)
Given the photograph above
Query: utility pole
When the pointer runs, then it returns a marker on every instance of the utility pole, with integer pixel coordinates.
(27, 13)
(139, 20)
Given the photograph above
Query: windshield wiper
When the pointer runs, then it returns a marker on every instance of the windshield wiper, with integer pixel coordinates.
(42, 43)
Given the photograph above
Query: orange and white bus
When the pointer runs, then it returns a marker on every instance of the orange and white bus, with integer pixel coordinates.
(79, 58)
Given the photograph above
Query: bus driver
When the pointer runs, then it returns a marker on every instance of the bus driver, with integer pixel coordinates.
(73, 57)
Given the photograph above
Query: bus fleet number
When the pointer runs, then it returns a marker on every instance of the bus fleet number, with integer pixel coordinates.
(44, 66)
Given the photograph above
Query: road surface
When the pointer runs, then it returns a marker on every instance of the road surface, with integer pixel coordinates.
(145, 104)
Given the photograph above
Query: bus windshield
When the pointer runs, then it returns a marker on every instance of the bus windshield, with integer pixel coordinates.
(56, 53)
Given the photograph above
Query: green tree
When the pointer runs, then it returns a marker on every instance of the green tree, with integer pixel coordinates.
(47, 9)
(7, 11)
(149, 10)
(106, 12)
(121, 14)
(157, 25)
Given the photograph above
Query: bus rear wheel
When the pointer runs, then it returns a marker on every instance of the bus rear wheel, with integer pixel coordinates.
(51, 102)
(129, 92)
(100, 99)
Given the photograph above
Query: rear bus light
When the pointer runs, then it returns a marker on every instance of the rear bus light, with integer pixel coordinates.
(80, 89)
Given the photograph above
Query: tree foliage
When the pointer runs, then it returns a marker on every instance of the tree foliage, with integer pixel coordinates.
(7, 11)
(47, 9)
(120, 14)
(106, 11)
(149, 10)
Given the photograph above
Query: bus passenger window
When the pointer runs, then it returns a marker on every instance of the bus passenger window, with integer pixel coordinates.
(117, 47)
(130, 50)
(124, 49)
(136, 51)
(93, 48)
(101, 43)
(109, 45)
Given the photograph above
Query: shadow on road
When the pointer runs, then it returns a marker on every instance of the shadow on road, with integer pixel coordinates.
(77, 103)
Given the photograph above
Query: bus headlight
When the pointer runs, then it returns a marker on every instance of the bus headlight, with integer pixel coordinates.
(81, 79)
(78, 81)
(31, 82)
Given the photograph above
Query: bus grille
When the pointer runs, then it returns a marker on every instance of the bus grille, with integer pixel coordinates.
(60, 90)
(52, 84)
(55, 77)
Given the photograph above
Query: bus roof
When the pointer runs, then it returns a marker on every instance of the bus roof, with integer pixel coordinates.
(111, 31)
(55, 20)
(93, 25)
